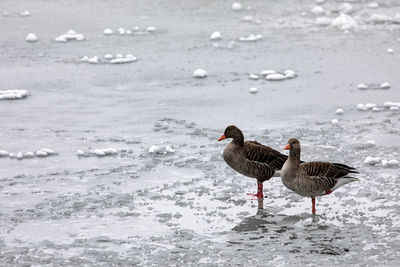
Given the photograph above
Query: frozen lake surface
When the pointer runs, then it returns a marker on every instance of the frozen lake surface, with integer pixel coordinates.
(119, 164)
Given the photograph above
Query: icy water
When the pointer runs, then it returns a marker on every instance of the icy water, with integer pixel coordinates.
(183, 205)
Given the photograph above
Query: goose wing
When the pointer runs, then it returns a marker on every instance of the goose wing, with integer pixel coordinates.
(255, 151)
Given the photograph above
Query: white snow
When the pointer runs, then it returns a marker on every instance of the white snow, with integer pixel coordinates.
(216, 36)
(289, 74)
(237, 6)
(317, 10)
(69, 36)
(323, 21)
(199, 73)
(391, 104)
(169, 149)
(29, 155)
(376, 109)
(339, 111)
(362, 86)
(40, 153)
(373, 5)
(13, 94)
(275, 77)
(267, 72)
(150, 29)
(346, 8)
(3, 153)
(31, 37)
(93, 60)
(385, 85)
(394, 108)
(372, 161)
(80, 152)
(99, 152)
(20, 155)
(11, 155)
(251, 38)
(154, 149)
(361, 107)
(390, 163)
(370, 105)
(344, 22)
(121, 31)
(25, 14)
(108, 56)
(253, 77)
(253, 90)
(390, 51)
(334, 121)
(108, 32)
(123, 60)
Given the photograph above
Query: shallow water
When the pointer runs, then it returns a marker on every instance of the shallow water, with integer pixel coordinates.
(189, 207)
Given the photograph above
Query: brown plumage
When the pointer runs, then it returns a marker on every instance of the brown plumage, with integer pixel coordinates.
(313, 179)
(251, 158)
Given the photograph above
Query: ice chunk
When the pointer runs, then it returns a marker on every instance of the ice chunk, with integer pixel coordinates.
(334, 121)
(376, 109)
(317, 10)
(385, 85)
(289, 74)
(394, 108)
(99, 152)
(29, 155)
(361, 107)
(339, 111)
(13, 94)
(108, 56)
(3, 153)
(251, 38)
(93, 60)
(48, 151)
(373, 5)
(362, 86)
(25, 14)
(150, 29)
(123, 60)
(344, 22)
(11, 155)
(199, 73)
(323, 21)
(253, 77)
(267, 72)
(346, 8)
(31, 37)
(20, 155)
(237, 6)
(108, 32)
(390, 51)
(70, 35)
(169, 149)
(370, 105)
(216, 36)
(275, 77)
(154, 149)
(41, 154)
(121, 31)
(372, 161)
(253, 90)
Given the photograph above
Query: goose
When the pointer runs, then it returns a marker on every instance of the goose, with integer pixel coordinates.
(312, 179)
(251, 158)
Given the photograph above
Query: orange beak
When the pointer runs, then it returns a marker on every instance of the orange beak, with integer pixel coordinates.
(222, 138)
(286, 147)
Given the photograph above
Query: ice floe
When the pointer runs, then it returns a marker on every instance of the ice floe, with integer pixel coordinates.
(253, 90)
(334, 121)
(25, 13)
(372, 160)
(273, 75)
(108, 31)
(384, 19)
(97, 152)
(251, 38)
(216, 36)
(199, 73)
(383, 162)
(31, 37)
(71, 35)
(13, 94)
(385, 85)
(109, 59)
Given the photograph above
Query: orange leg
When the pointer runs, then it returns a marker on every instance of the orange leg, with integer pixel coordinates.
(259, 191)
(313, 205)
